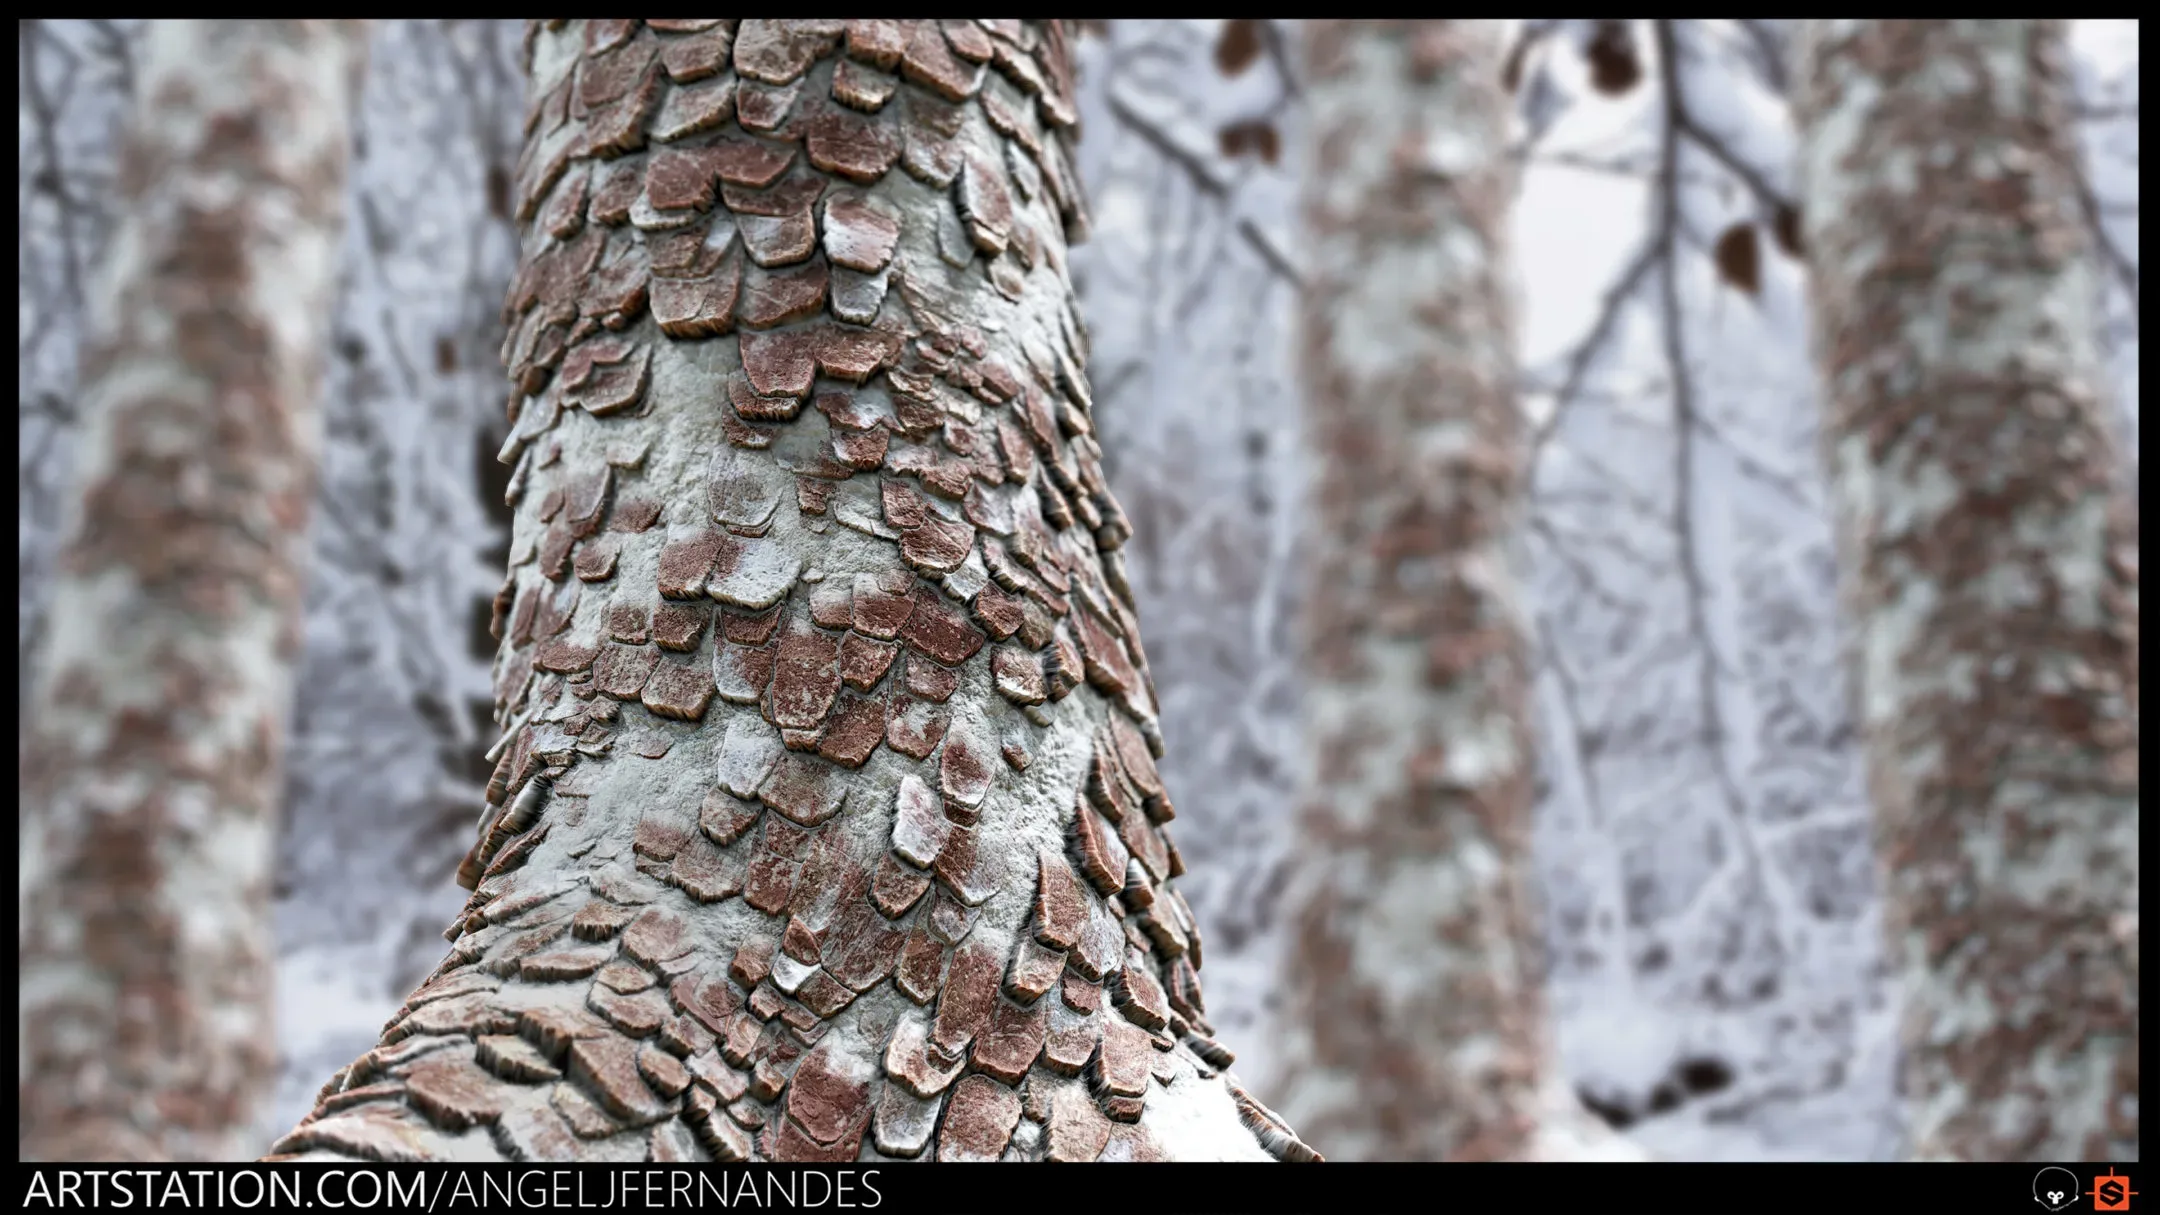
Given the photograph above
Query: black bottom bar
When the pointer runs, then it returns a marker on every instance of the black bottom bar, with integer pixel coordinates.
(1190, 1189)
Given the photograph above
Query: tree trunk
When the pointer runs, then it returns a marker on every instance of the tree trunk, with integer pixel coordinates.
(150, 767)
(754, 883)
(1417, 1025)
(1990, 572)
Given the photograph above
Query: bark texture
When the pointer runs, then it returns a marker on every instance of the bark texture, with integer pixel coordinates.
(151, 764)
(826, 822)
(1990, 570)
(1417, 1024)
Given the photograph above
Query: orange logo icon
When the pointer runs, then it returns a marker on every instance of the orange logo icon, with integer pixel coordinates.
(2110, 1192)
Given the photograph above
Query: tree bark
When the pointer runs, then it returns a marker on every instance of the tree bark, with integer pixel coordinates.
(151, 761)
(1417, 1024)
(1990, 573)
(826, 822)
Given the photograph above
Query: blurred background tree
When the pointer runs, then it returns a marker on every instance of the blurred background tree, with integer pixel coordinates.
(1989, 558)
(155, 720)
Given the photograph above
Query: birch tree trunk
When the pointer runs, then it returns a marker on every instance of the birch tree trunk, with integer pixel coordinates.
(1990, 572)
(826, 822)
(150, 763)
(1416, 1029)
